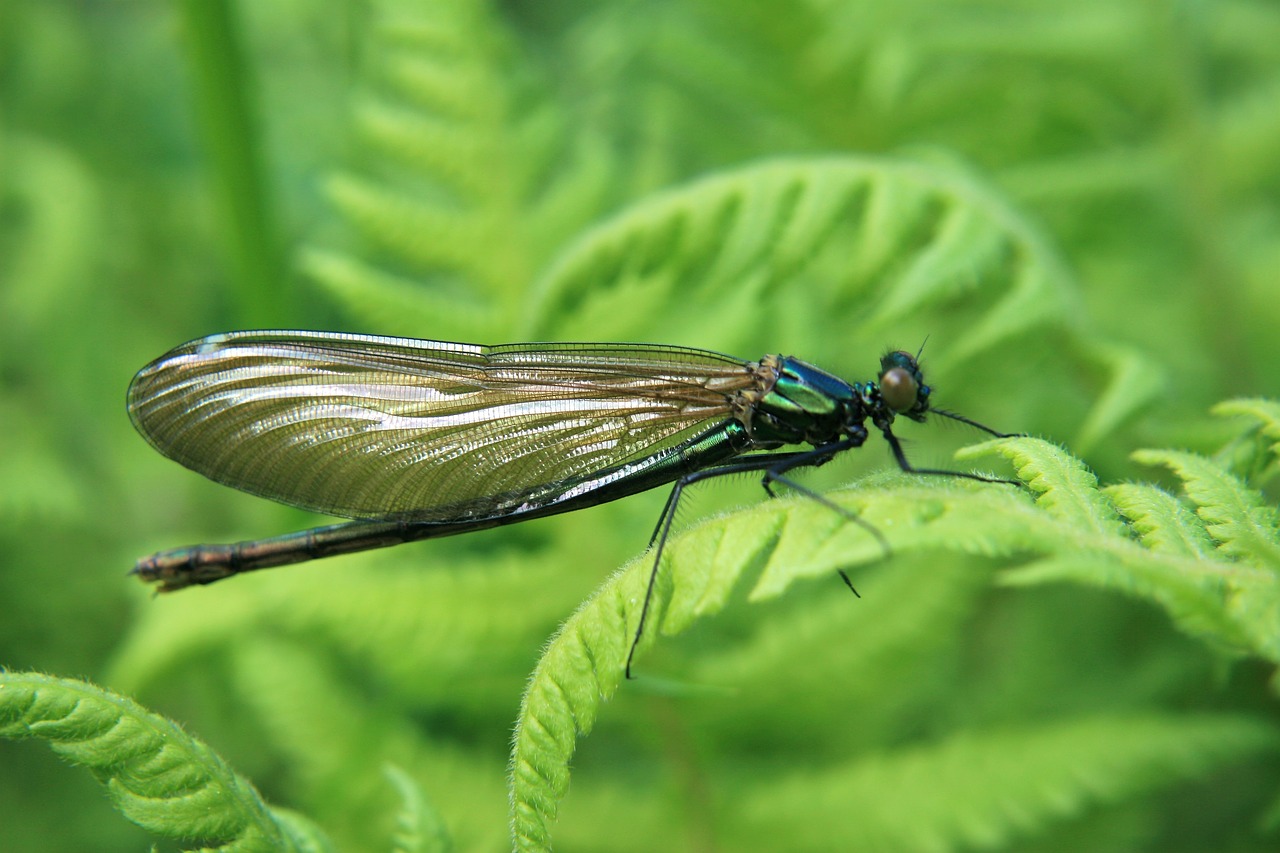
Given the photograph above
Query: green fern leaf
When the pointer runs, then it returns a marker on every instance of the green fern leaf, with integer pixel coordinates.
(985, 790)
(425, 234)
(1072, 532)
(158, 776)
(893, 235)
(785, 540)
(388, 301)
(1064, 487)
(1162, 522)
(777, 249)
(419, 828)
(1264, 463)
(1233, 514)
(1095, 546)
(1135, 381)
(472, 179)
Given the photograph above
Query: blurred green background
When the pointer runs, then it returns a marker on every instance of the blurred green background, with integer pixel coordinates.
(170, 170)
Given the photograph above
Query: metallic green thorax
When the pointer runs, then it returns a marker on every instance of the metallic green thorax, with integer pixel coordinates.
(800, 403)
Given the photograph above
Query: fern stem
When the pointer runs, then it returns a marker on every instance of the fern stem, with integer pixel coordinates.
(225, 107)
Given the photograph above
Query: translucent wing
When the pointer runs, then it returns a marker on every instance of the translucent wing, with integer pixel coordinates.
(376, 427)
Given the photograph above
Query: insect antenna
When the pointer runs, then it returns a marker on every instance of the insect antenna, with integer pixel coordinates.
(962, 419)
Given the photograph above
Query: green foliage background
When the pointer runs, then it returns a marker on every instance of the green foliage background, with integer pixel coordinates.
(1078, 204)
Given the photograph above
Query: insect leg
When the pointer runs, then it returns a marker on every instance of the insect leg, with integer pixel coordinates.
(777, 474)
(906, 466)
(772, 464)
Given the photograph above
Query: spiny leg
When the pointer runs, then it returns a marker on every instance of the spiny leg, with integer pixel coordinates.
(777, 475)
(906, 466)
(770, 478)
(813, 458)
(660, 534)
(658, 541)
(774, 465)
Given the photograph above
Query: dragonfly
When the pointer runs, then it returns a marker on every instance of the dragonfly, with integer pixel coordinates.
(417, 439)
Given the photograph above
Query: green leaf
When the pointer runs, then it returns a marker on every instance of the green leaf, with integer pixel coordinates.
(785, 540)
(472, 176)
(1065, 488)
(419, 827)
(158, 776)
(385, 300)
(985, 789)
(1202, 595)
(1233, 514)
(1073, 532)
(889, 236)
(1264, 461)
(1135, 382)
(1162, 521)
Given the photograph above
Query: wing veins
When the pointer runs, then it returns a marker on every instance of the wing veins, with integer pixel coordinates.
(329, 423)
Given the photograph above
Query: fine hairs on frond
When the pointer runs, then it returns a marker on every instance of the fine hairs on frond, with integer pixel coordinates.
(1072, 532)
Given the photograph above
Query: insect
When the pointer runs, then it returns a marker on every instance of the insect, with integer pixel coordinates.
(416, 439)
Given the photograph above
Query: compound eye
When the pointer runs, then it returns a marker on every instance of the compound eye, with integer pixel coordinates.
(899, 389)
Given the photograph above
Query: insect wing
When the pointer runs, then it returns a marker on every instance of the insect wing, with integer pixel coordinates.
(379, 427)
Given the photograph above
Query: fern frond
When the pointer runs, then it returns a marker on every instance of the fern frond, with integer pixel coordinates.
(1234, 514)
(1162, 522)
(552, 715)
(893, 235)
(388, 301)
(1095, 546)
(785, 540)
(1074, 531)
(473, 176)
(818, 252)
(300, 697)
(1264, 462)
(986, 790)
(407, 628)
(158, 776)
(1064, 487)
(426, 234)
(419, 828)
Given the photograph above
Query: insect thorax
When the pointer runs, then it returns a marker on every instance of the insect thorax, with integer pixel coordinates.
(794, 402)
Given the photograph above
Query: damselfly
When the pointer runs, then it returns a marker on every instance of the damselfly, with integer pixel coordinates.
(418, 439)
